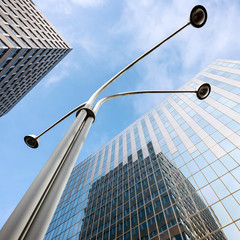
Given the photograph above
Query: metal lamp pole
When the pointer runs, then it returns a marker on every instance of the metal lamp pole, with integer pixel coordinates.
(31, 217)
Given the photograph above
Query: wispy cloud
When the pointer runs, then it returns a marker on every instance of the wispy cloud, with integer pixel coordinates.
(55, 78)
(89, 3)
(60, 73)
(88, 44)
(147, 22)
(55, 6)
(155, 76)
(67, 7)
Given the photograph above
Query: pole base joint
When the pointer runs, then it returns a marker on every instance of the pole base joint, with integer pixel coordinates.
(90, 113)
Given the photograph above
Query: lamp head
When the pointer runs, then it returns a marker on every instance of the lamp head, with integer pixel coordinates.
(198, 16)
(203, 91)
(32, 141)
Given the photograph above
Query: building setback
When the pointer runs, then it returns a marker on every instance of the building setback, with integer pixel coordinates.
(29, 48)
(172, 174)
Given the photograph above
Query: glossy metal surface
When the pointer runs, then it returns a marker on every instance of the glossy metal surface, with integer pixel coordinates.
(22, 220)
(203, 91)
(32, 141)
(103, 100)
(198, 16)
(103, 87)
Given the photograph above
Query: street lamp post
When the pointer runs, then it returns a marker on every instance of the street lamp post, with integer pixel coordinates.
(31, 217)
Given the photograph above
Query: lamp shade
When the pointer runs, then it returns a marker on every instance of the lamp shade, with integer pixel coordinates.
(198, 16)
(32, 141)
(203, 91)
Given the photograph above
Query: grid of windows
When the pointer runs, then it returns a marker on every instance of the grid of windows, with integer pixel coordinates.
(146, 204)
(30, 47)
(189, 189)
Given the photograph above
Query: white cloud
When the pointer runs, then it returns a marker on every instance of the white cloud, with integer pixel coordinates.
(59, 73)
(89, 3)
(88, 44)
(219, 38)
(143, 23)
(55, 6)
(53, 79)
(67, 7)
(150, 21)
(155, 77)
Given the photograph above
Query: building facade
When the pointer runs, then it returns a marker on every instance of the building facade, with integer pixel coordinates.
(172, 174)
(30, 47)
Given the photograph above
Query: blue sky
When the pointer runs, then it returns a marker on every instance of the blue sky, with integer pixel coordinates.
(106, 36)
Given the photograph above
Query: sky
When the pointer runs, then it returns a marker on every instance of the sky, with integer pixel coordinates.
(106, 36)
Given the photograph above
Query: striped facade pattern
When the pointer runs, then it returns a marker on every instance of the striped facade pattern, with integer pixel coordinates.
(30, 47)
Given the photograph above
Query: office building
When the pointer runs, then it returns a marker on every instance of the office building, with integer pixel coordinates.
(153, 202)
(172, 174)
(30, 47)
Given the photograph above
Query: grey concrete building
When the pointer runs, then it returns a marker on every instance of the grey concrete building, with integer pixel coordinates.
(30, 47)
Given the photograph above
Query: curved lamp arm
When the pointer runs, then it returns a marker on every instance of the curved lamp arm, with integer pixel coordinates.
(32, 140)
(110, 81)
(61, 119)
(202, 92)
(197, 19)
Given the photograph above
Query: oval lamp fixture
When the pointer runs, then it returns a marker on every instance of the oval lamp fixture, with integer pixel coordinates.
(203, 91)
(32, 141)
(198, 16)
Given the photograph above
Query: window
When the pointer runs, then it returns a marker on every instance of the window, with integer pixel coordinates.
(157, 205)
(152, 227)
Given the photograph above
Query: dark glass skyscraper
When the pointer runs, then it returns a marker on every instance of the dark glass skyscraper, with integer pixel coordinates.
(172, 174)
(137, 201)
(29, 48)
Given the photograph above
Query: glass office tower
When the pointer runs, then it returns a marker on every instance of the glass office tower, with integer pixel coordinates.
(172, 174)
(29, 48)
